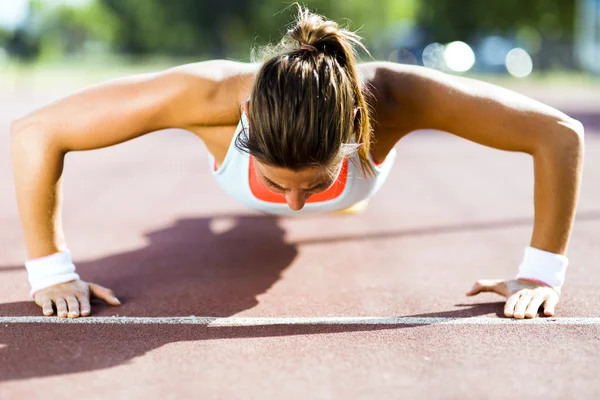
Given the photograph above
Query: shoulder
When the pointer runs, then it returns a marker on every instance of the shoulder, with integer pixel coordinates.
(410, 96)
(216, 71)
(393, 78)
(213, 88)
(396, 92)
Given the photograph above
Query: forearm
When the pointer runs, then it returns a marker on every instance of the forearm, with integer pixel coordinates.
(558, 167)
(37, 169)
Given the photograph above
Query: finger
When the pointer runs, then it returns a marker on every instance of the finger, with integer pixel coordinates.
(476, 289)
(487, 285)
(521, 306)
(549, 306)
(46, 304)
(509, 306)
(61, 307)
(73, 307)
(105, 294)
(534, 306)
(84, 304)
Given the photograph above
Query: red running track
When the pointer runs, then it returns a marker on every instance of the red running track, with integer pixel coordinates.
(146, 219)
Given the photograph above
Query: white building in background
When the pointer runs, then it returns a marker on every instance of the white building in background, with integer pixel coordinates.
(587, 46)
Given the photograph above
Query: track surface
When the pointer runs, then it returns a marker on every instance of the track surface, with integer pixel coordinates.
(146, 219)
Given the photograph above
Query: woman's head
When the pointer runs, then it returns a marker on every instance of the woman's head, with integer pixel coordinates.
(306, 110)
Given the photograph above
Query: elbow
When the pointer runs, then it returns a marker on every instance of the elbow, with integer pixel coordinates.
(28, 135)
(571, 135)
(567, 138)
(16, 128)
(577, 130)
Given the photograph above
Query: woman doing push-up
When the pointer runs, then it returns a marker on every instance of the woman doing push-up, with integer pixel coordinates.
(315, 133)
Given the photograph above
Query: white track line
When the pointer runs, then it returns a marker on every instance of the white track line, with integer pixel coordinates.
(263, 321)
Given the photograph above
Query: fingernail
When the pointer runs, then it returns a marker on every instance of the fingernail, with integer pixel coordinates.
(116, 300)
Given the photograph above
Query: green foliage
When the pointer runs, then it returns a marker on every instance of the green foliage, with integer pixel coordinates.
(63, 30)
(4, 35)
(220, 28)
(181, 27)
(447, 20)
(230, 28)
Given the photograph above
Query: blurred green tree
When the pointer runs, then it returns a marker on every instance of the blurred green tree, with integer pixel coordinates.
(61, 29)
(220, 28)
(448, 20)
(230, 28)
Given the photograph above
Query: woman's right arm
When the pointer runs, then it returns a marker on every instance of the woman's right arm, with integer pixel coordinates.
(185, 97)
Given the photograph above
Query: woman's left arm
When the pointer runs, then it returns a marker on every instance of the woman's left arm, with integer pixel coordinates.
(502, 119)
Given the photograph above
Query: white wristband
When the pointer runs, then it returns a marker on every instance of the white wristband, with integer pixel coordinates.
(543, 267)
(50, 270)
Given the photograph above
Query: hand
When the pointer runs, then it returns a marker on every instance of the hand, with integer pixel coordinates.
(524, 298)
(72, 299)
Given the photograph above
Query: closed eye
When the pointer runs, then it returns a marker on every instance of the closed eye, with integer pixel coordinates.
(319, 187)
(273, 186)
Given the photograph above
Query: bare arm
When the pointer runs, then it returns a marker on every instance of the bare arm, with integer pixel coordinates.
(501, 119)
(104, 115)
(419, 98)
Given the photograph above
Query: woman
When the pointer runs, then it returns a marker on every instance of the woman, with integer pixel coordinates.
(316, 134)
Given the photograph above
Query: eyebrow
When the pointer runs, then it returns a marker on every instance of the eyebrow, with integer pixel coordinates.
(270, 182)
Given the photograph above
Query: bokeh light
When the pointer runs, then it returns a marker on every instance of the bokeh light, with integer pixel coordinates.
(12, 13)
(519, 63)
(403, 56)
(459, 56)
(433, 56)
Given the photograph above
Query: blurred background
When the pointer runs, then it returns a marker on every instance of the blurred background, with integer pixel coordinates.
(60, 40)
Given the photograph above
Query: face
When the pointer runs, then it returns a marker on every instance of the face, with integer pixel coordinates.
(295, 186)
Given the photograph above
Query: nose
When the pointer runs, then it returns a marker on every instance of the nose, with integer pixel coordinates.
(296, 199)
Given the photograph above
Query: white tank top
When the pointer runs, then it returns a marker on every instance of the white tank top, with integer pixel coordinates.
(236, 176)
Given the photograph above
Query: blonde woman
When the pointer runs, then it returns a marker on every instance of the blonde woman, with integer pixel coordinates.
(306, 130)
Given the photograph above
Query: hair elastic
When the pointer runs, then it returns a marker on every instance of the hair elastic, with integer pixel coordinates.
(309, 47)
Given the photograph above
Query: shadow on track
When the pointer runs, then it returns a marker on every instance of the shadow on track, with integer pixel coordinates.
(186, 269)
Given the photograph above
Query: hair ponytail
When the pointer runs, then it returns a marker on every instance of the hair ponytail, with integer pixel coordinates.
(307, 102)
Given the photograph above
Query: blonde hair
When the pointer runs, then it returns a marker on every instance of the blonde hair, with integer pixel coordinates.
(306, 105)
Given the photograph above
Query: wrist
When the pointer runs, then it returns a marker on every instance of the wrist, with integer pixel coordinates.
(50, 270)
(543, 267)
